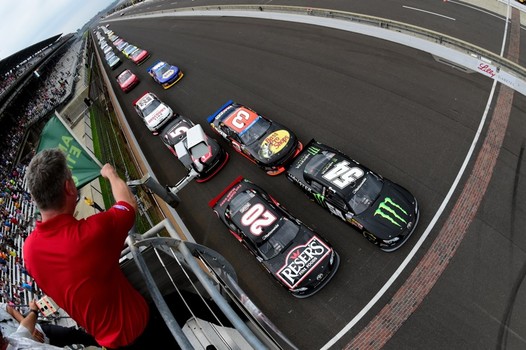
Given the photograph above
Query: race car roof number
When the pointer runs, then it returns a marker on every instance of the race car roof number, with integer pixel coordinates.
(144, 101)
(241, 120)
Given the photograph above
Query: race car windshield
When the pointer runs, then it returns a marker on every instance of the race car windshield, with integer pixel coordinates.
(318, 162)
(365, 193)
(280, 239)
(124, 76)
(136, 53)
(151, 107)
(237, 202)
(255, 131)
(164, 68)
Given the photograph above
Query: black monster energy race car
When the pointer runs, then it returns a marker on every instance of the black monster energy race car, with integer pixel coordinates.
(385, 213)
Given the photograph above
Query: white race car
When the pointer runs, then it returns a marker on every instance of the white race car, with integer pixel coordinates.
(154, 112)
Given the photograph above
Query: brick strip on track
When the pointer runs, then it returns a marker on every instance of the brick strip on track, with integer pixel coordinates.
(411, 294)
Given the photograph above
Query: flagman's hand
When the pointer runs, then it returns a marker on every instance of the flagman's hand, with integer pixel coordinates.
(108, 171)
(119, 188)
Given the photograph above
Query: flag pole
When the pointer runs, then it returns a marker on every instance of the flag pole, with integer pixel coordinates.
(95, 159)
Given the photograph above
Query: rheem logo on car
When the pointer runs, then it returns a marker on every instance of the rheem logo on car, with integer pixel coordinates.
(301, 260)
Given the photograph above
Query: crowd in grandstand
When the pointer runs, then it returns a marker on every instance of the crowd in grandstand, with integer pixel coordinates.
(55, 88)
(8, 78)
(17, 212)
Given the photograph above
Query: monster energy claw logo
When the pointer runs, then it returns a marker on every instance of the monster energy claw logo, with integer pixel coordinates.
(388, 210)
(313, 150)
(319, 198)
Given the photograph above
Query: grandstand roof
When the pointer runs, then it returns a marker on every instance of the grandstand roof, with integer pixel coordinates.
(10, 62)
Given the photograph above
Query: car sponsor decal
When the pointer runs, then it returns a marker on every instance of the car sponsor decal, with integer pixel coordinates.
(392, 212)
(226, 199)
(370, 236)
(301, 260)
(157, 115)
(320, 198)
(341, 175)
(168, 73)
(335, 211)
(313, 150)
(274, 143)
(241, 119)
(356, 223)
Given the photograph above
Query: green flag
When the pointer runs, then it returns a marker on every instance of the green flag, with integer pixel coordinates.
(82, 163)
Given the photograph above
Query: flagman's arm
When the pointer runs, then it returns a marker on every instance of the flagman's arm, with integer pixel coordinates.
(119, 188)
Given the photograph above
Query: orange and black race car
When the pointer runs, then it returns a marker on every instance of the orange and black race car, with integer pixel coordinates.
(268, 144)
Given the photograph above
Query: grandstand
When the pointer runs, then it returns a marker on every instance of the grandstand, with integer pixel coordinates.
(26, 101)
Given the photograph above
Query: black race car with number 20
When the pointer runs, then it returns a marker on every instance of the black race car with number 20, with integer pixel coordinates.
(268, 144)
(298, 258)
(385, 212)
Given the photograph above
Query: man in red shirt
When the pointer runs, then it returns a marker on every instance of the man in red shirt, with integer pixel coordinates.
(76, 262)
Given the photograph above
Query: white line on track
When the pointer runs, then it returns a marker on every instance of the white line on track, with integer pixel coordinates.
(418, 244)
(475, 8)
(429, 12)
(437, 215)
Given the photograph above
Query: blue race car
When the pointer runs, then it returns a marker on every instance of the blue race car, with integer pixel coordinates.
(165, 74)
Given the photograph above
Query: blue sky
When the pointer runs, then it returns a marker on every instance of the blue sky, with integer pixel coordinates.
(26, 22)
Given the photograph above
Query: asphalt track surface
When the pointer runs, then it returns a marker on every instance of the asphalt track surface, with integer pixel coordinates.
(394, 109)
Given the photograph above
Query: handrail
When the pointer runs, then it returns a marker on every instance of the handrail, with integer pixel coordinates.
(135, 241)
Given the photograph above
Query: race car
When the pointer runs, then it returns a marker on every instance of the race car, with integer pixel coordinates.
(120, 46)
(107, 49)
(113, 61)
(175, 132)
(139, 56)
(128, 50)
(109, 55)
(268, 144)
(153, 112)
(297, 257)
(118, 41)
(383, 211)
(164, 74)
(127, 80)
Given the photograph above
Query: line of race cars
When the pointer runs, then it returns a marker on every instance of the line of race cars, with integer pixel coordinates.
(301, 260)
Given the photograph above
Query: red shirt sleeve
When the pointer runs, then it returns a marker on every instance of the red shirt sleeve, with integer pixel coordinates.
(113, 224)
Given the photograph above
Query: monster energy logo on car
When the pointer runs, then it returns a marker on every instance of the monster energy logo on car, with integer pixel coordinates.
(313, 150)
(388, 210)
(319, 198)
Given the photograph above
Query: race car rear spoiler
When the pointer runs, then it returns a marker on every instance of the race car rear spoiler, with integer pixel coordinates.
(211, 117)
(214, 200)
